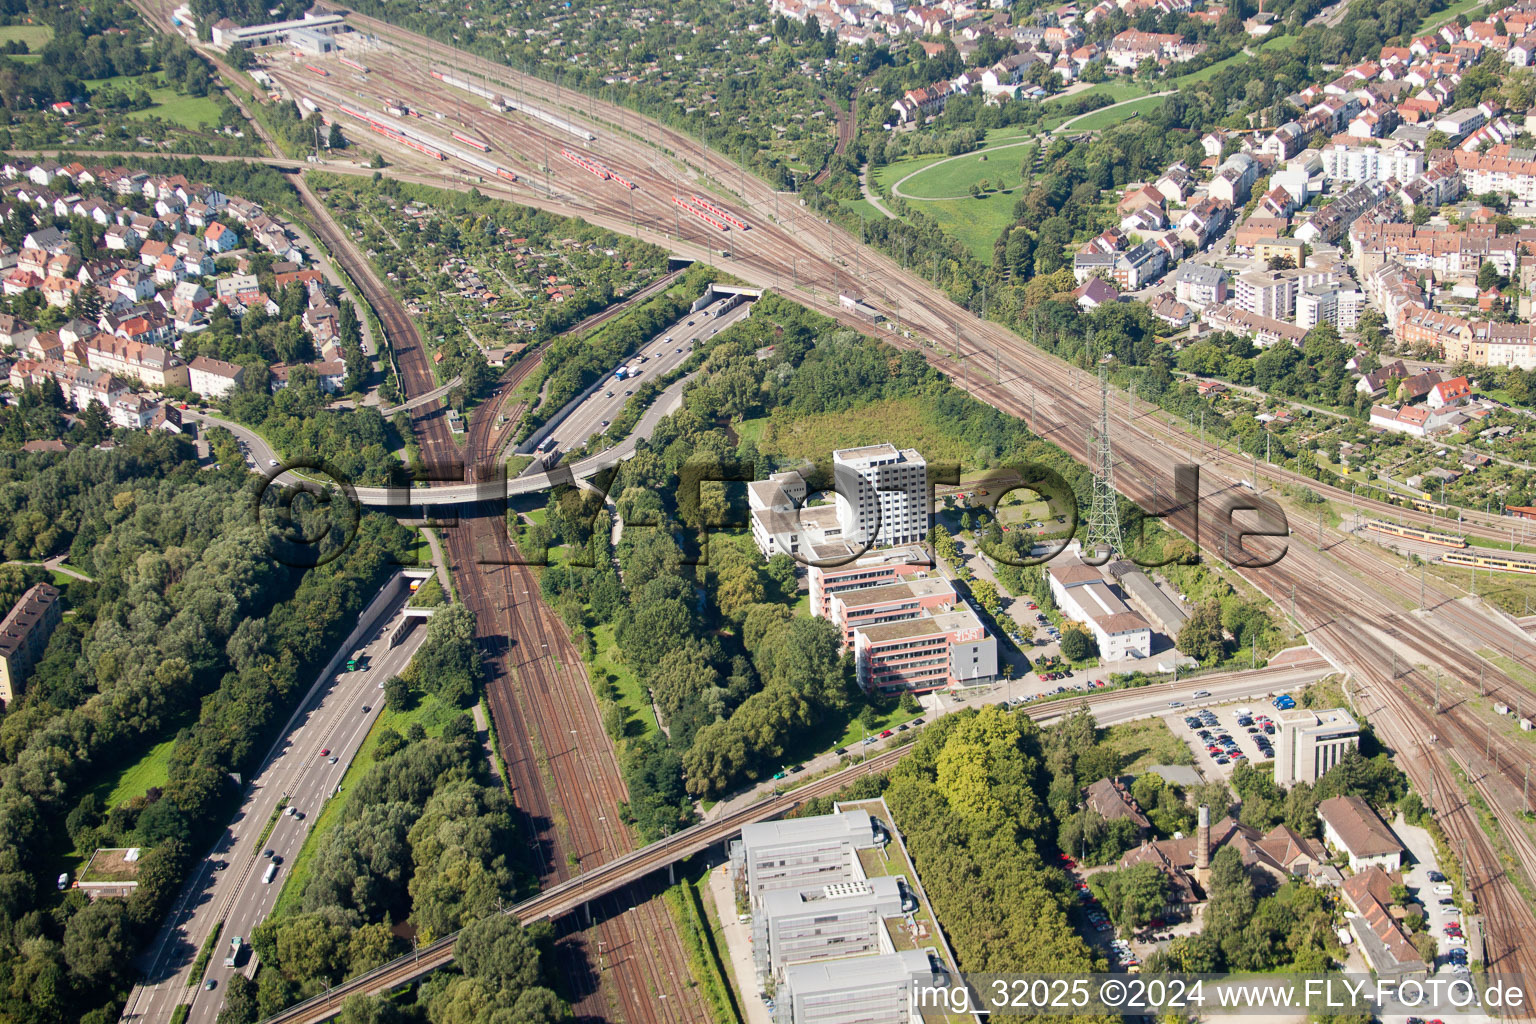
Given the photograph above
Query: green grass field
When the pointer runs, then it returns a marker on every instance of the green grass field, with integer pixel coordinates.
(153, 769)
(433, 715)
(608, 663)
(1145, 743)
(35, 36)
(997, 165)
(1110, 116)
(1434, 21)
(905, 422)
(187, 111)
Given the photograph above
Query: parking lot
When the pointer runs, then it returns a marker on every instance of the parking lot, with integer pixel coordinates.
(1223, 736)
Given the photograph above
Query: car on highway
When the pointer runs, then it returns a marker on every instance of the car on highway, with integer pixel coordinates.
(211, 983)
(608, 395)
(1175, 703)
(887, 734)
(1201, 693)
(267, 854)
(333, 759)
(271, 462)
(367, 708)
(325, 751)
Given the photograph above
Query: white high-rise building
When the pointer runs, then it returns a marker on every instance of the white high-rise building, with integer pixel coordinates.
(882, 494)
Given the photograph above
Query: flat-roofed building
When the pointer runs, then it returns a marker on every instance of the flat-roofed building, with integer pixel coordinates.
(24, 634)
(882, 494)
(837, 920)
(1308, 743)
(948, 647)
(871, 569)
(868, 990)
(891, 602)
(801, 854)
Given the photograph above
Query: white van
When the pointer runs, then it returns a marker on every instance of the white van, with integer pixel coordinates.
(1443, 889)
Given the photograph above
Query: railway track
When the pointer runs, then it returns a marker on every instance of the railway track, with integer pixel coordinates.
(614, 877)
(1336, 603)
(1055, 399)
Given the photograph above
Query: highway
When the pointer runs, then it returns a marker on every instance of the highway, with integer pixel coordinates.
(657, 358)
(332, 719)
(570, 895)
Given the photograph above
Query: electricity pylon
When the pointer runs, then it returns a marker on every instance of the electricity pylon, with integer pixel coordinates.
(1104, 511)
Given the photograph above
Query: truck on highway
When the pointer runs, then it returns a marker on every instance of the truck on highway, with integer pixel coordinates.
(620, 373)
(235, 945)
(271, 874)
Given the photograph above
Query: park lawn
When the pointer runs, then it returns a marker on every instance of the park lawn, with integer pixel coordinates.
(433, 715)
(1434, 21)
(905, 422)
(1146, 742)
(1114, 115)
(187, 111)
(975, 223)
(151, 770)
(35, 36)
(1213, 70)
(998, 165)
(190, 112)
(888, 174)
(863, 208)
(608, 662)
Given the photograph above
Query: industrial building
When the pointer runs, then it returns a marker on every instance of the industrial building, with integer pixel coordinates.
(1083, 595)
(1354, 829)
(869, 990)
(309, 28)
(24, 634)
(1308, 743)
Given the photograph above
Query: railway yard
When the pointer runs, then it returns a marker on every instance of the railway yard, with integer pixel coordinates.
(1356, 609)
(1339, 599)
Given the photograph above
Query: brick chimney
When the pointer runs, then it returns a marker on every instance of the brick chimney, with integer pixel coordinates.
(1203, 840)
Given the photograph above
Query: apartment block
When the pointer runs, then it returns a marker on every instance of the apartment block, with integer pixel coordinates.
(1356, 164)
(24, 634)
(1334, 303)
(1308, 743)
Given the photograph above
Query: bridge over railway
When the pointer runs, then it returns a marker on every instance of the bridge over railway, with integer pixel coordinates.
(576, 893)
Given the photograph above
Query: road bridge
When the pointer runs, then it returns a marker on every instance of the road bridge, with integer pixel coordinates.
(575, 893)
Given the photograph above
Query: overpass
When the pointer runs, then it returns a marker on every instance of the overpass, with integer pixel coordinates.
(575, 893)
(420, 400)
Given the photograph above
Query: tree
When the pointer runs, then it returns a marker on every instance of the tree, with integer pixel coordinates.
(781, 570)
(98, 944)
(985, 593)
(1436, 140)
(1076, 645)
(334, 139)
(397, 694)
(1201, 637)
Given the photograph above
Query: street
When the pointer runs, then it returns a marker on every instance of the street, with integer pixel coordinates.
(335, 718)
(663, 354)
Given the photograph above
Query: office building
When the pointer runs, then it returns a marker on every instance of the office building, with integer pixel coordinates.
(866, 990)
(24, 634)
(914, 635)
(802, 853)
(872, 569)
(838, 920)
(882, 494)
(1308, 743)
